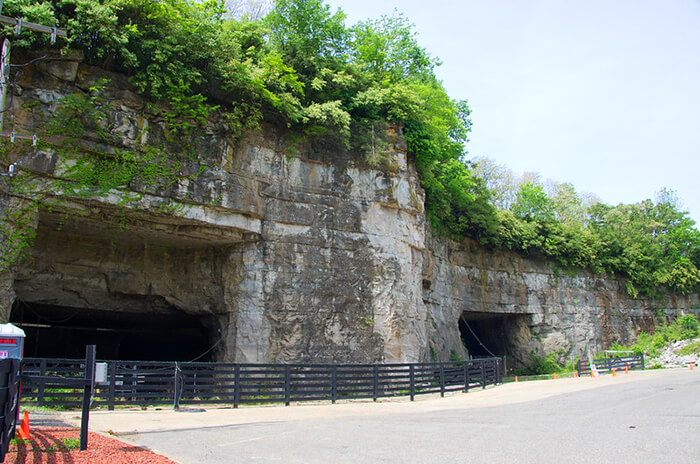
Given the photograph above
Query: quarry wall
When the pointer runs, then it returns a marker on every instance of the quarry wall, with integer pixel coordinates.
(290, 255)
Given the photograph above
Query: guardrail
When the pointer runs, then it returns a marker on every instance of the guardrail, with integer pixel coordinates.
(152, 383)
(608, 364)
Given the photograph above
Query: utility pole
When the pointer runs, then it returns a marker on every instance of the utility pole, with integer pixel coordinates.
(4, 77)
(19, 23)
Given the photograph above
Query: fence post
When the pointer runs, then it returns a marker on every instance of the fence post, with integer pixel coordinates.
(334, 383)
(442, 380)
(236, 385)
(134, 382)
(112, 369)
(375, 382)
(412, 376)
(642, 356)
(176, 382)
(483, 374)
(287, 385)
(578, 368)
(466, 376)
(42, 385)
(87, 394)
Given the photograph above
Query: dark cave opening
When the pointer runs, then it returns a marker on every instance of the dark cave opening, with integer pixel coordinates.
(490, 334)
(63, 332)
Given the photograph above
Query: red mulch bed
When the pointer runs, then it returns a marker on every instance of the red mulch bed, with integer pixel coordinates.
(59, 445)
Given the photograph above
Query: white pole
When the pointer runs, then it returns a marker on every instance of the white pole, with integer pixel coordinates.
(4, 77)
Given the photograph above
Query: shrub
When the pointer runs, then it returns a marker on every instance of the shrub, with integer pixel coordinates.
(693, 348)
(541, 365)
(685, 327)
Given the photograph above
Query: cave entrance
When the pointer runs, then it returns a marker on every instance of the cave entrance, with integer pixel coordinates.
(151, 289)
(492, 334)
(63, 332)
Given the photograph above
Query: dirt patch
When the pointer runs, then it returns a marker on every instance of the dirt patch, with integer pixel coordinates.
(60, 445)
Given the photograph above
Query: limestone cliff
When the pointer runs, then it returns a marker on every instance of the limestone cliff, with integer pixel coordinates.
(291, 255)
(524, 306)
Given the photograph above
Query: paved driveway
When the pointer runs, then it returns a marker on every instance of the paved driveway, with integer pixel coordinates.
(643, 417)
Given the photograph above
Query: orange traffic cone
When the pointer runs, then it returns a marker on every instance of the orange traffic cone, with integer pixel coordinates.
(575, 374)
(555, 376)
(691, 366)
(592, 374)
(614, 373)
(24, 427)
(627, 370)
(516, 378)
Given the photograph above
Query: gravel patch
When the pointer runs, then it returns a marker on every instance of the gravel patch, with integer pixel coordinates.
(670, 356)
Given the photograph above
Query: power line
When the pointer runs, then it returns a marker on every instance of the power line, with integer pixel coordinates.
(475, 336)
(29, 62)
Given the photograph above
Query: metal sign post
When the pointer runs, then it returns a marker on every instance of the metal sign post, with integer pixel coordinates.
(88, 391)
(20, 24)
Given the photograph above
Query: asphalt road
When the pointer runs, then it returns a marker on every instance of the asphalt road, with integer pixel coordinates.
(649, 417)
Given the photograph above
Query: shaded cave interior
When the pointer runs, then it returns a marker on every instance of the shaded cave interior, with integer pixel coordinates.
(63, 332)
(486, 334)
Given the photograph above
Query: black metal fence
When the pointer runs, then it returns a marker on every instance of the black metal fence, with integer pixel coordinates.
(608, 364)
(154, 383)
(80, 382)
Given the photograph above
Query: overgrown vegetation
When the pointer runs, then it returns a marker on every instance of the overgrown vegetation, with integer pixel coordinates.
(653, 243)
(543, 365)
(65, 445)
(301, 67)
(693, 348)
(685, 327)
(86, 172)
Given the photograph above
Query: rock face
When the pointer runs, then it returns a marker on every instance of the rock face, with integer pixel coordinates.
(309, 255)
(533, 307)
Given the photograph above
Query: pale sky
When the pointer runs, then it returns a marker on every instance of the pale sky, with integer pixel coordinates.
(604, 94)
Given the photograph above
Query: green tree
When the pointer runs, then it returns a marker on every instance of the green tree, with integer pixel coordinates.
(533, 204)
(387, 48)
(654, 244)
(566, 204)
(499, 179)
(308, 35)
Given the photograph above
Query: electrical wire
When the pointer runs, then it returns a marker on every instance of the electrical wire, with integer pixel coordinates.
(11, 90)
(29, 62)
(477, 338)
(49, 320)
(206, 352)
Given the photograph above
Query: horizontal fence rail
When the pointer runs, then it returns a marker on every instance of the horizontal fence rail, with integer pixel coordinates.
(608, 364)
(153, 383)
